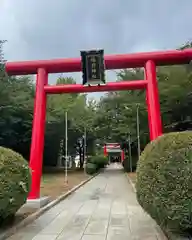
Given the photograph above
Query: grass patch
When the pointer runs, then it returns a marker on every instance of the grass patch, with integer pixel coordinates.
(53, 185)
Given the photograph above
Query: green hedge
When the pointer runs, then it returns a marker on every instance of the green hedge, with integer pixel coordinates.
(91, 168)
(15, 180)
(99, 160)
(95, 163)
(164, 181)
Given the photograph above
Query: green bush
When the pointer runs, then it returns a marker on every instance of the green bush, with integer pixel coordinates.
(164, 181)
(91, 168)
(99, 160)
(15, 179)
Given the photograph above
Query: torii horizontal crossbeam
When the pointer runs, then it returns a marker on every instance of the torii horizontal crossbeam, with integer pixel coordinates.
(109, 87)
(111, 62)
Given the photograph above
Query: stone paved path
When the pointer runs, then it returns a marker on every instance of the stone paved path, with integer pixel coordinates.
(103, 209)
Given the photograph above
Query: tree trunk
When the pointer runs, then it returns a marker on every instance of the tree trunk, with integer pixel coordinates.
(81, 157)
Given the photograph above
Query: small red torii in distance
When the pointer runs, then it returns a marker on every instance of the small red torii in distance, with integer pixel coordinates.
(43, 67)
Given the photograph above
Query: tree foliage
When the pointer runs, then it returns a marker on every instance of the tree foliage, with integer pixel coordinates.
(117, 111)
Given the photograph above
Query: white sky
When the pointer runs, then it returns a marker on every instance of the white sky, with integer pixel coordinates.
(43, 29)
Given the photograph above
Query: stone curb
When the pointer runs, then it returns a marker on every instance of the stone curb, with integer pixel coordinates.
(130, 181)
(44, 209)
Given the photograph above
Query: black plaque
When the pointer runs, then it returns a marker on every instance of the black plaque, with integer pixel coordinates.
(93, 67)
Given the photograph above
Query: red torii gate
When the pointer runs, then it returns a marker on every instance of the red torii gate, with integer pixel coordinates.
(113, 146)
(43, 67)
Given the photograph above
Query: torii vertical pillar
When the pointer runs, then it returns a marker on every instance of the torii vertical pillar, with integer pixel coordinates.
(122, 156)
(38, 131)
(152, 98)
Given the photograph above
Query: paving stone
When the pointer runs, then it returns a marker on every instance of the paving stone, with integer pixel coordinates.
(88, 207)
(45, 237)
(144, 232)
(71, 233)
(104, 208)
(118, 207)
(119, 232)
(79, 221)
(119, 220)
(58, 224)
(145, 237)
(22, 236)
(44, 220)
(93, 237)
(97, 226)
(119, 237)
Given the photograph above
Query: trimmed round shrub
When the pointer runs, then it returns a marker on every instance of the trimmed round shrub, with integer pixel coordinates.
(99, 160)
(164, 181)
(15, 180)
(91, 168)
